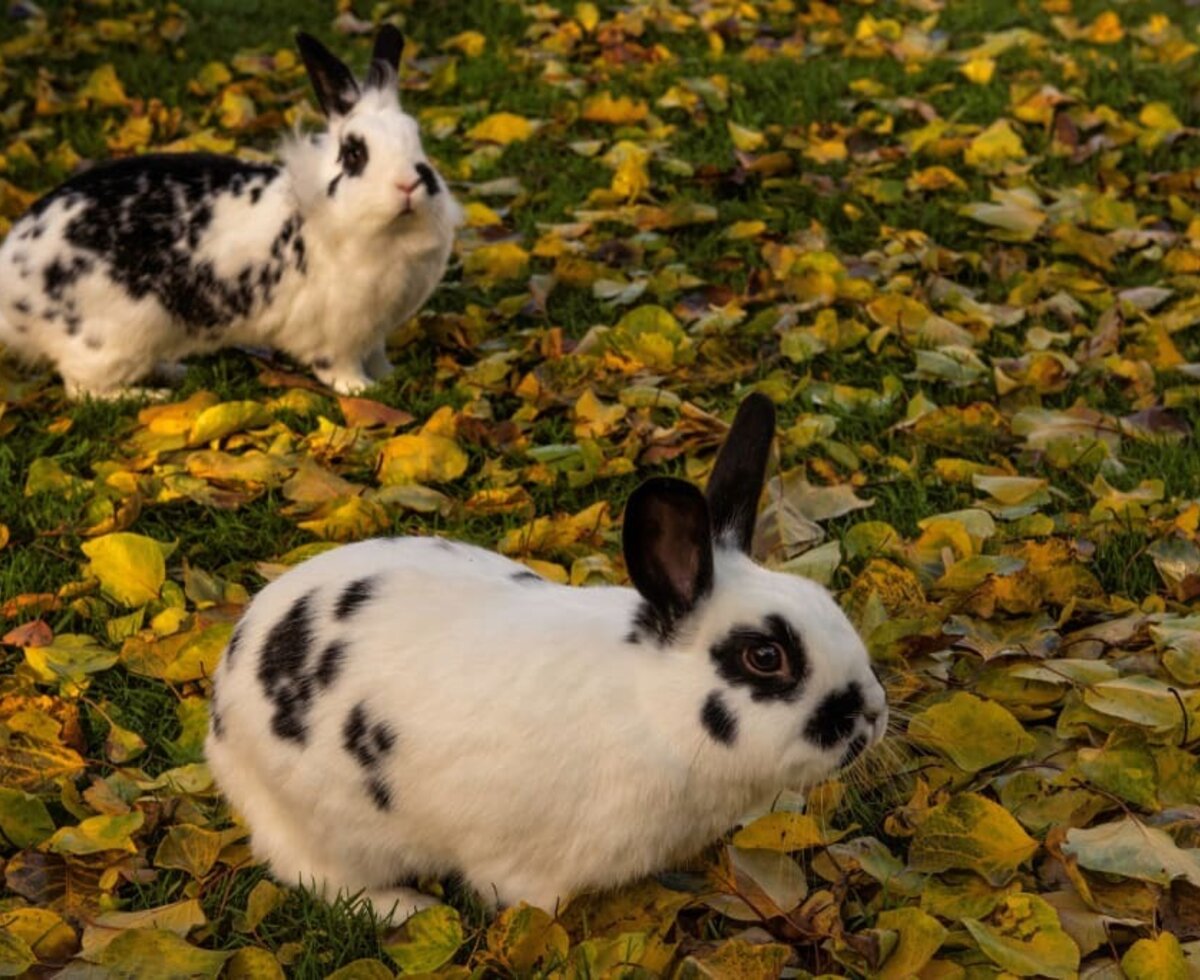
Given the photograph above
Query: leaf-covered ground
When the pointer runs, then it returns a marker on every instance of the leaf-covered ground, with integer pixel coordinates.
(957, 242)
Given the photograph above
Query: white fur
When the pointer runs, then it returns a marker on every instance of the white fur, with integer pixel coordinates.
(538, 751)
(369, 268)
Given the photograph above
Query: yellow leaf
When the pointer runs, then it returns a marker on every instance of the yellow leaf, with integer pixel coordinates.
(134, 133)
(783, 831)
(470, 43)
(253, 963)
(971, 833)
(974, 734)
(995, 146)
(479, 215)
(524, 936)
(1025, 938)
(106, 832)
(632, 177)
(593, 419)
(1160, 958)
(421, 458)
(588, 16)
(736, 959)
(189, 848)
(224, 419)
(104, 88)
(826, 150)
(1106, 29)
(236, 109)
(502, 128)
(935, 178)
(920, 936)
(433, 937)
(491, 264)
(154, 953)
(620, 111)
(979, 70)
(745, 229)
(746, 140)
(131, 568)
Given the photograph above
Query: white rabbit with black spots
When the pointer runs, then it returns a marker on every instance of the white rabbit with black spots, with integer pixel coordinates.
(412, 707)
(132, 265)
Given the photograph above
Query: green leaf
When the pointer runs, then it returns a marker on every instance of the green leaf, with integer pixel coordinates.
(24, 819)
(434, 936)
(263, 899)
(972, 833)
(973, 733)
(1025, 938)
(1129, 848)
(523, 937)
(131, 568)
(15, 955)
(102, 833)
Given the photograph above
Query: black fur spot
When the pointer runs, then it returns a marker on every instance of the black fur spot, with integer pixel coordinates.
(352, 155)
(142, 218)
(380, 794)
(729, 654)
(235, 639)
(330, 664)
(255, 194)
(333, 184)
(647, 621)
(281, 670)
(353, 596)
(57, 277)
(835, 717)
(368, 743)
(428, 178)
(322, 363)
(215, 721)
(21, 306)
(718, 720)
(526, 577)
(73, 323)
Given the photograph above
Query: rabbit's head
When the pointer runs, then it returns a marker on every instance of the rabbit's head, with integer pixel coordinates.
(777, 680)
(370, 166)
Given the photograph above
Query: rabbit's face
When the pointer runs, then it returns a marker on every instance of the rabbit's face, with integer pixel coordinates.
(377, 170)
(765, 662)
(371, 164)
(786, 682)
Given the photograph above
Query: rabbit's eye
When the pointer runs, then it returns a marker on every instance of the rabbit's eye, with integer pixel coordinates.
(764, 659)
(352, 155)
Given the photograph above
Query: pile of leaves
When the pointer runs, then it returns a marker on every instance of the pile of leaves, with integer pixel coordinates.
(958, 243)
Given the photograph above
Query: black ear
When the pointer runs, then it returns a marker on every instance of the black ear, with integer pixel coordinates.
(336, 89)
(737, 477)
(668, 546)
(385, 58)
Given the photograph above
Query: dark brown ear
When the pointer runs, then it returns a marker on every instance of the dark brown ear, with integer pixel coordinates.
(385, 57)
(738, 474)
(667, 539)
(332, 81)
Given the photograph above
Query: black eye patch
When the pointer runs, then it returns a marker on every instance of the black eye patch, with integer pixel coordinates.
(728, 655)
(352, 155)
(836, 716)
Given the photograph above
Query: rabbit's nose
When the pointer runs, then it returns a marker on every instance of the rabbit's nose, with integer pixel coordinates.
(409, 188)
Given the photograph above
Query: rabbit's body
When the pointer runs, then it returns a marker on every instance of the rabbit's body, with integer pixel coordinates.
(138, 263)
(414, 707)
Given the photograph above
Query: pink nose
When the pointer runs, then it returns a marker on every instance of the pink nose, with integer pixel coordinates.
(409, 188)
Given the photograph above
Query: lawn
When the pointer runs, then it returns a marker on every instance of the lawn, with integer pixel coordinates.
(956, 241)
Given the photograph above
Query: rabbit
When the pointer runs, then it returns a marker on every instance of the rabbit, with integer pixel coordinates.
(130, 266)
(414, 707)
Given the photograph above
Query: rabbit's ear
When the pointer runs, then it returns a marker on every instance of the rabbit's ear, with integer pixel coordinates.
(336, 89)
(668, 546)
(385, 58)
(737, 477)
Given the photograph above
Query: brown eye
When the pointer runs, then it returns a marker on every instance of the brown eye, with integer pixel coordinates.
(765, 659)
(353, 155)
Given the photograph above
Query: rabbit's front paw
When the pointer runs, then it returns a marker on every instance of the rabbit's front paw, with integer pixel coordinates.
(344, 378)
